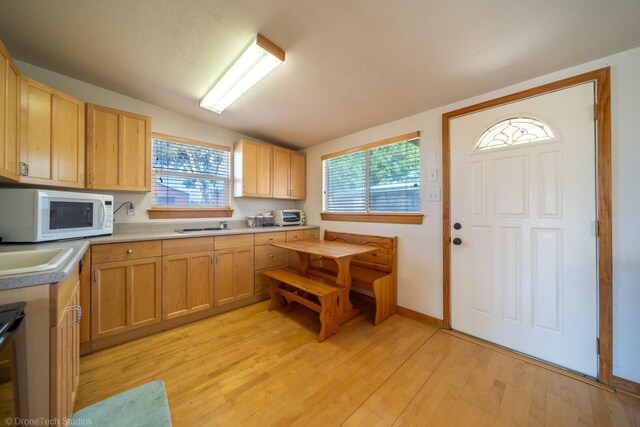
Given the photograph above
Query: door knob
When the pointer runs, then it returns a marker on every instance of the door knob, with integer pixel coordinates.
(457, 241)
(457, 226)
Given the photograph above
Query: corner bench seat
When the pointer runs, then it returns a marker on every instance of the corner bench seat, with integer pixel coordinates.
(327, 295)
(374, 271)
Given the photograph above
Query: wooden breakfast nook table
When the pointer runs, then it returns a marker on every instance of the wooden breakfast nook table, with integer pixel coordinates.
(340, 252)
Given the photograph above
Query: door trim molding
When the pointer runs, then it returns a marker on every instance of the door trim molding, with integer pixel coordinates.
(602, 79)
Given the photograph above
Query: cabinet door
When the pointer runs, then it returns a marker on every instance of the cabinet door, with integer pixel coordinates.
(145, 288)
(65, 359)
(52, 136)
(9, 102)
(135, 153)
(67, 141)
(125, 295)
(281, 167)
(102, 143)
(224, 276)
(298, 176)
(118, 150)
(256, 169)
(36, 151)
(187, 284)
(244, 275)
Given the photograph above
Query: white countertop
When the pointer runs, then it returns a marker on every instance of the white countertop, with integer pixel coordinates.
(172, 234)
(80, 246)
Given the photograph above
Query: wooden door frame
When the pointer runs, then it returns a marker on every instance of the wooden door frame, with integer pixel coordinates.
(602, 79)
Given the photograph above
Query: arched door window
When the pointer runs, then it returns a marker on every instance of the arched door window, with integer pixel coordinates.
(514, 131)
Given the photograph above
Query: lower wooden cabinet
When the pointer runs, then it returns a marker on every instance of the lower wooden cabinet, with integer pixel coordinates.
(125, 295)
(233, 268)
(233, 274)
(65, 356)
(187, 284)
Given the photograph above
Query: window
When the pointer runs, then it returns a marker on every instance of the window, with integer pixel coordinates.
(514, 131)
(191, 175)
(378, 182)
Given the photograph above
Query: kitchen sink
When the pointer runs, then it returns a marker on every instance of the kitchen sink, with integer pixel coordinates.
(195, 230)
(19, 262)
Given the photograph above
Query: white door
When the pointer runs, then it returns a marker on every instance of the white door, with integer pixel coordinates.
(524, 272)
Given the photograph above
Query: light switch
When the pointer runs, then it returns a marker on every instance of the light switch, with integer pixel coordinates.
(432, 175)
(433, 195)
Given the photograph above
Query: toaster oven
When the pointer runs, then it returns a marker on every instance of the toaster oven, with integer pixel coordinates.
(288, 217)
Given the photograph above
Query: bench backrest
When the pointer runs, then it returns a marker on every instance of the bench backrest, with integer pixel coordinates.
(384, 259)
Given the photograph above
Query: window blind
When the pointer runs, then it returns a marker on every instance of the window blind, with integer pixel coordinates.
(394, 177)
(383, 178)
(345, 183)
(190, 174)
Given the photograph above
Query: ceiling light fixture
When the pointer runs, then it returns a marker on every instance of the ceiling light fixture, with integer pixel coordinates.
(258, 60)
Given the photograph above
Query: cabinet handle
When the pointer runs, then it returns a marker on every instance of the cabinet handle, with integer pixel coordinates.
(90, 178)
(78, 311)
(95, 275)
(270, 256)
(270, 238)
(211, 259)
(129, 251)
(217, 259)
(24, 169)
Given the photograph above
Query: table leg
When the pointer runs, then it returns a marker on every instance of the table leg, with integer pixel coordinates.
(305, 260)
(345, 308)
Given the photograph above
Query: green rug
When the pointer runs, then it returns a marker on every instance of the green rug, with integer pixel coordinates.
(145, 405)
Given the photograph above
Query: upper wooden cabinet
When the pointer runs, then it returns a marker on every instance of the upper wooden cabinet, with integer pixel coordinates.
(252, 169)
(118, 150)
(51, 136)
(264, 170)
(289, 168)
(9, 107)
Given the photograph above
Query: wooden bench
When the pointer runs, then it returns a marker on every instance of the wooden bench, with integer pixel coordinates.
(374, 271)
(301, 287)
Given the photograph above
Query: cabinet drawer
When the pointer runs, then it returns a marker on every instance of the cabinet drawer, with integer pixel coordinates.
(269, 257)
(268, 238)
(238, 241)
(186, 246)
(125, 251)
(292, 236)
(311, 234)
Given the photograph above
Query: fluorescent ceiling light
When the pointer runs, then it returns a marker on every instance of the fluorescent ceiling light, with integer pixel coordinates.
(257, 61)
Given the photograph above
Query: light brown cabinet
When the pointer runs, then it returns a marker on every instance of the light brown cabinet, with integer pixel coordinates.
(9, 117)
(234, 268)
(52, 130)
(65, 349)
(126, 287)
(289, 168)
(253, 169)
(187, 276)
(268, 257)
(118, 150)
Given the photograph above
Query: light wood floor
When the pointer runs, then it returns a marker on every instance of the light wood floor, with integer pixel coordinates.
(251, 367)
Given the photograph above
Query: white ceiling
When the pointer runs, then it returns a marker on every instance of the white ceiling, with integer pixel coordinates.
(349, 64)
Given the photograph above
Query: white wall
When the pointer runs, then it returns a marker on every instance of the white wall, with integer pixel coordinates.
(162, 121)
(420, 246)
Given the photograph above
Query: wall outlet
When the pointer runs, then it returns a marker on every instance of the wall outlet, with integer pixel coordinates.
(432, 175)
(433, 195)
(131, 210)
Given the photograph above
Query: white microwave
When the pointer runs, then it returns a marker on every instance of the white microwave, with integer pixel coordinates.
(288, 217)
(30, 215)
